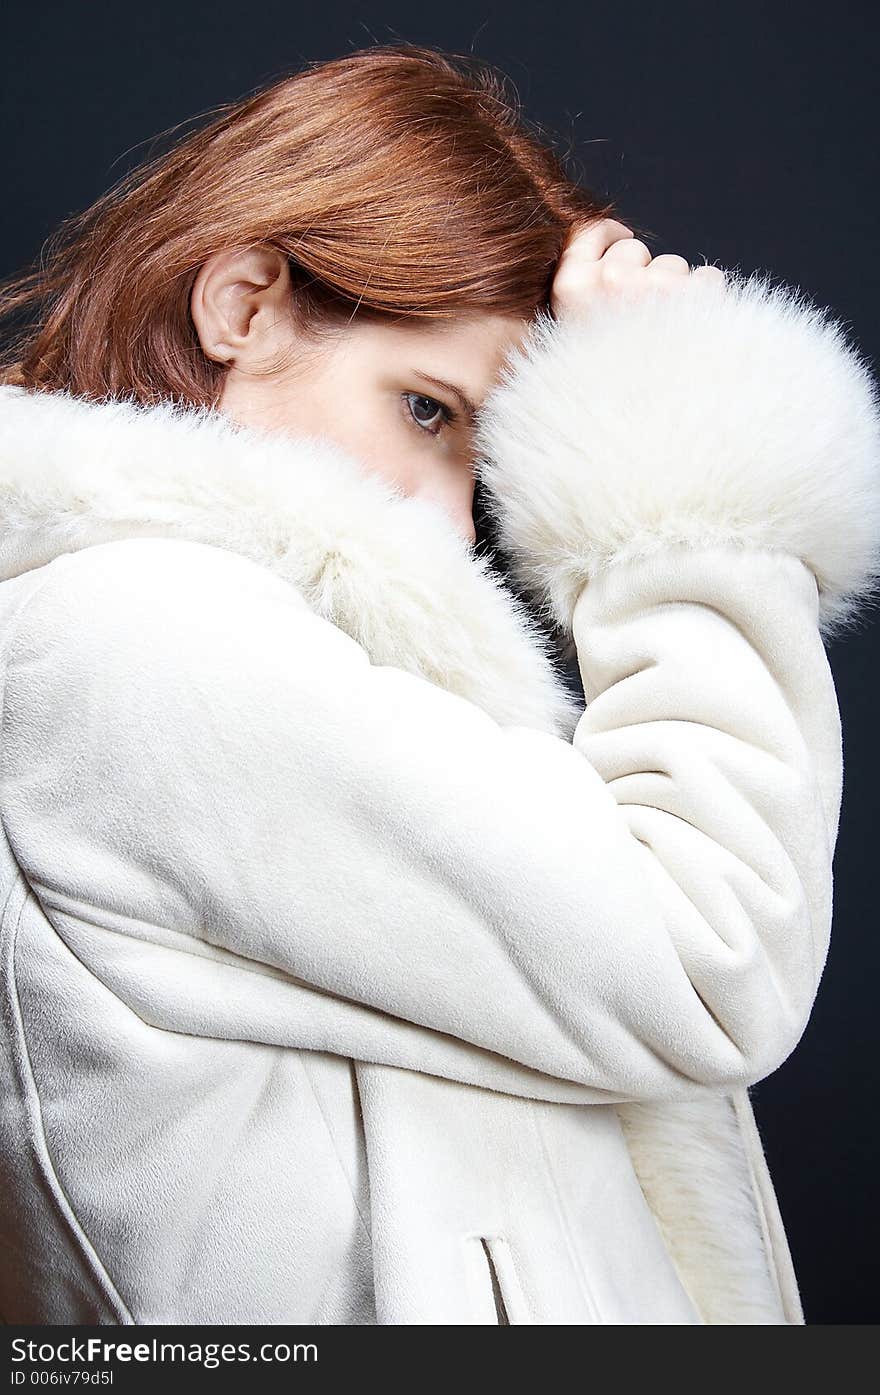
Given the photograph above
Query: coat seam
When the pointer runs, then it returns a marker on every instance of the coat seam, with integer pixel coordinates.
(40, 1143)
(586, 1289)
(61, 1201)
(334, 1145)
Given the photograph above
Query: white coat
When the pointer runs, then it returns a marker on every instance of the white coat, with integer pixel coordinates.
(353, 970)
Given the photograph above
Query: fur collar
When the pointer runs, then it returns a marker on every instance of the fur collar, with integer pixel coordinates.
(388, 569)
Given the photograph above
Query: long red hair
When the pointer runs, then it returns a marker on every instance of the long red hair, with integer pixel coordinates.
(398, 180)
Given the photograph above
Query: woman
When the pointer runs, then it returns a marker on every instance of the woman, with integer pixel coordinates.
(355, 970)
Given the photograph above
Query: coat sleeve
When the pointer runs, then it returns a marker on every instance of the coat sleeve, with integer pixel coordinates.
(642, 912)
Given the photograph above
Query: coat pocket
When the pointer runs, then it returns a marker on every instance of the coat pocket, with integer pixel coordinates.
(502, 1280)
(497, 1295)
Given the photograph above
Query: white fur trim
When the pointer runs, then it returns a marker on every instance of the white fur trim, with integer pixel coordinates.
(388, 569)
(713, 412)
(691, 1167)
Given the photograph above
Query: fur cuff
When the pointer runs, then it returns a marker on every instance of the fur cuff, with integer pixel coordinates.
(710, 413)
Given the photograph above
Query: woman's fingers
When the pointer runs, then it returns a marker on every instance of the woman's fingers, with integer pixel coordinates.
(580, 268)
(608, 257)
(633, 252)
(591, 242)
(623, 261)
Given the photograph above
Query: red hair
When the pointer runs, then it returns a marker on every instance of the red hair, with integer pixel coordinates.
(398, 180)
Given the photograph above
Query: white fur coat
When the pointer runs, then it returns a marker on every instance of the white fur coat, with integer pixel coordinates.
(511, 914)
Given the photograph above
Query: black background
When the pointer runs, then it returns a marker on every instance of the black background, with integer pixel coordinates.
(746, 135)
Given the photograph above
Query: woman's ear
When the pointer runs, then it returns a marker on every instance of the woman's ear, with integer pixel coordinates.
(240, 305)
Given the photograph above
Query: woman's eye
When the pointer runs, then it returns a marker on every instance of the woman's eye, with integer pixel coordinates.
(428, 414)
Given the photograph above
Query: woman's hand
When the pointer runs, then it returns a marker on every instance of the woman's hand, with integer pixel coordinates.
(608, 257)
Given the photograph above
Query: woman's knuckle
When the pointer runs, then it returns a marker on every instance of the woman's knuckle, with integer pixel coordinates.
(629, 250)
(671, 261)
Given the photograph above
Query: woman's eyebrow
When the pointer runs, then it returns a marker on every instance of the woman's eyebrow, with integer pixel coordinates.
(464, 401)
